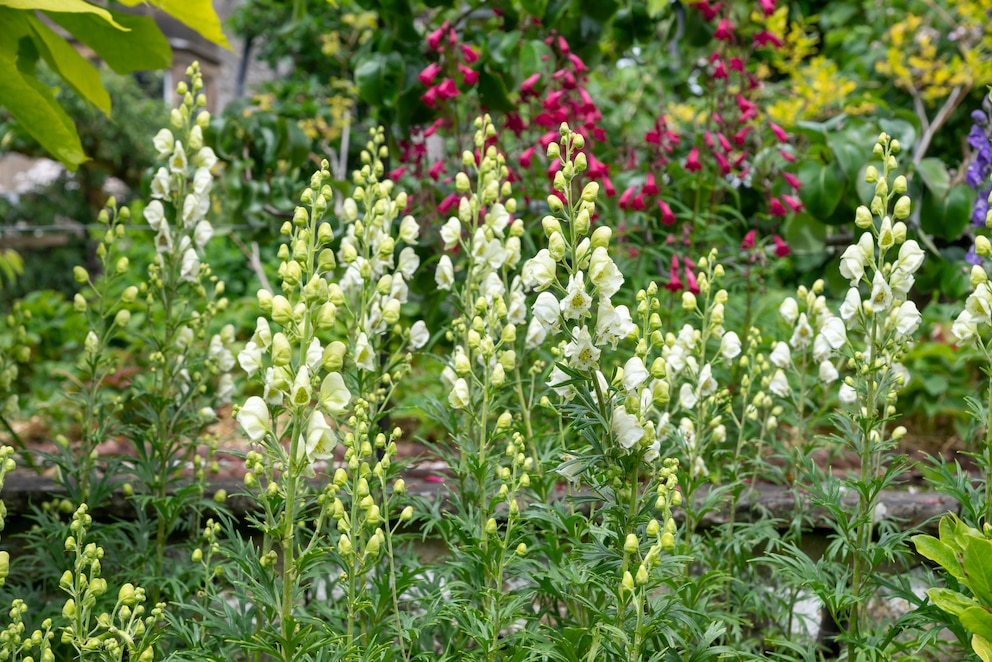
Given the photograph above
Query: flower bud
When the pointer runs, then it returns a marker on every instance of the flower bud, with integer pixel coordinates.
(79, 303)
(556, 246)
(688, 301)
(978, 275)
(80, 275)
(982, 246)
(630, 545)
(863, 218)
(521, 549)
(627, 584)
(344, 545)
(601, 237)
(122, 317)
(282, 311)
(642, 575)
(902, 208)
(899, 185)
(407, 514)
(491, 523)
(667, 541)
(554, 151)
(871, 174)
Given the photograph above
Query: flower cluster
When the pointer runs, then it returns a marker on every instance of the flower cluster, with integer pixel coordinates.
(979, 171)
(456, 60)
(816, 335)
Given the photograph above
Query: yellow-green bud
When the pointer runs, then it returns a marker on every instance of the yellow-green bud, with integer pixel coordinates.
(653, 528)
(79, 303)
(601, 237)
(627, 583)
(80, 275)
(899, 185)
(871, 174)
(122, 317)
(667, 541)
(399, 487)
(642, 575)
(491, 526)
(197, 555)
(630, 545)
(344, 545)
(521, 549)
(407, 514)
(982, 245)
(902, 208)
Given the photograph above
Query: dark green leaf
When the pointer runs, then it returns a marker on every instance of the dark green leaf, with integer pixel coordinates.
(823, 187)
(934, 174)
(946, 217)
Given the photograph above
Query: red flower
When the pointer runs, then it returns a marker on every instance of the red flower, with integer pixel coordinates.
(608, 188)
(724, 31)
(638, 203)
(765, 37)
(719, 71)
(692, 162)
(768, 6)
(741, 136)
(724, 143)
(650, 188)
(625, 197)
(587, 103)
(448, 203)
(527, 156)
(447, 89)
(429, 73)
(690, 281)
(469, 75)
(709, 11)
(792, 179)
(781, 248)
(667, 217)
(794, 203)
(748, 242)
(527, 87)
(436, 170)
(469, 54)
(779, 132)
(736, 64)
(432, 129)
(722, 161)
(434, 38)
(397, 173)
(674, 284)
(708, 139)
(430, 96)
(776, 208)
(514, 123)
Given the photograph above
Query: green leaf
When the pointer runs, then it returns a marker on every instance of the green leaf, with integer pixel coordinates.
(952, 602)
(939, 552)
(64, 7)
(948, 216)
(198, 15)
(977, 563)
(982, 647)
(823, 186)
(934, 174)
(143, 48)
(35, 108)
(379, 78)
(978, 621)
(493, 92)
(899, 129)
(74, 69)
(532, 57)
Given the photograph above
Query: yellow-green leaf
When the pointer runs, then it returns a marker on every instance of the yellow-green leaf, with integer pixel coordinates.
(76, 70)
(144, 48)
(982, 647)
(198, 15)
(65, 7)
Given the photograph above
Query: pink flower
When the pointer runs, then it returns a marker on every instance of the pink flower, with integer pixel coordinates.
(724, 143)
(563, 45)
(741, 136)
(719, 71)
(469, 75)
(527, 87)
(447, 89)
(767, 6)
(792, 179)
(736, 64)
(587, 103)
(429, 73)
(608, 188)
(724, 31)
(776, 208)
(577, 62)
(781, 248)
(432, 129)
(723, 163)
(690, 281)
(514, 123)
(787, 156)
(708, 139)
(527, 156)
(709, 11)
(674, 284)
(397, 173)
(779, 132)
(794, 203)
(436, 170)
(430, 96)
(692, 163)
(765, 37)
(638, 203)
(448, 203)
(650, 188)
(434, 38)
(748, 242)
(667, 217)
(469, 54)
(625, 197)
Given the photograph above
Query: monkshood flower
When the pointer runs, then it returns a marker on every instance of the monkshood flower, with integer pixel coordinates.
(979, 173)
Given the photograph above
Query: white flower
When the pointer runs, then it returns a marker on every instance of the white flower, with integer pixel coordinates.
(730, 345)
(852, 263)
(979, 304)
(910, 257)
(398, 288)
(539, 271)
(205, 158)
(576, 303)
(494, 254)
(161, 184)
(699, 468)
(821, 348)
(833, 332)
(908, 319)
(225, 388)
(625, 428)
(320, 439)
(516, 312)
(314, 354)
(492, 287)
(613, 324)
(901, 282)
(707, 385)
(250, 358)
(497, 218)
(218, 351)
(687, 397)
(184, 338)
(364, 356)
(802, 334)
(202, 234)
(334, 394)
(155, 215)
(459, 397)
(557, 383)
(581, 352)
(444, 276)
(545, 309)
(254, 418)
(409, 230)
(189, 269)
(779, 385)
(419, 335)
(451, 232)
(177, 161)
(851, 306)
(299, 394)
(789, 310)
(781, 356)
(634, 373)
(828, 373)
(202, 182)
(163, 142)
(847, 395)
(408, 262)
(881, 294)
(262, 335)
(603, 273)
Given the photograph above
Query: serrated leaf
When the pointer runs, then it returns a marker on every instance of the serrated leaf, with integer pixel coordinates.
(143, 48)
(198, 15)
(74, 69)
(64, 7)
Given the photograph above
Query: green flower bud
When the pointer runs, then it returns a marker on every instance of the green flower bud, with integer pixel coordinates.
(126, 595)
(122, 317)
(627, 583)
(667, 541)
(80, 275)
(642, 575)
(982, 246)
(554, 151)
(653, 528)
(521, 549)
(902, 208)
(220, 496)
(871, 174)
(863, 218)
(197, 555)
(79, 303)
(344, 545)
(601, 236)
(630, 545)
(491, 523)
(407, 514)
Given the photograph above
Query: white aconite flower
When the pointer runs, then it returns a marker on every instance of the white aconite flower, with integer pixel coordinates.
(163, 142)
(802, 334)
(409, 230)
(202, 182)
(225, 388)
(779, 385)
(557, 382)
(852, 304)
(250, 358)
(334, 394)
(539, 271)
(582, 354)
(908, 319)
(634, 373)
(498, 218)
(901, 282)
(320, 439)
(612, 324)
(707, 384)
(202, 234)
(881, 294)
(833, 331)
(847, 394)
(789, 310)
(516, 310)
(398, 288)
(314, 355)
(161, 184)
(155, 215)
(604, 274)
(910, 257)
(364, 356)
(492, 287)
(730, 345)
(218, 351)
(687, 397)
(546, 309)
(177, 161)
(205, 158)
(821, 348)
(451, 232)
(625, 428)
(254, 418)
(300, 393)
(852, 264)
(536, 333)
(444, 276)
(979, 304)
(781, 356)
(419, 335)
(494, 254)
(828, 373)
(408, 262)
(576, 303)
(189, 269)
(459, 397)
